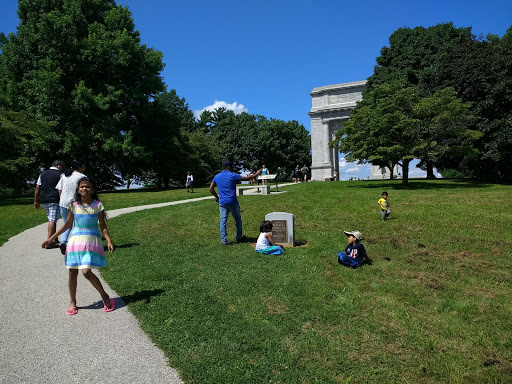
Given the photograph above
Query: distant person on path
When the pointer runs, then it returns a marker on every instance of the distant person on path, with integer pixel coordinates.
(85, 247)
(265, 244)
(190, 182)
(355, 253)
(226, 181)
(251, 173)
(305, 170)
(264, 172)
(296, 174)
(47, 195)
(67, 187)
(384, 206)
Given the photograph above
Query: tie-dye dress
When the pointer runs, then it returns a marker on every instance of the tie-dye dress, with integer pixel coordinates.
(85, 247)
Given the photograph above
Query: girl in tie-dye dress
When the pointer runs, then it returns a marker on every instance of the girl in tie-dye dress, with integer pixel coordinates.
(85, 247)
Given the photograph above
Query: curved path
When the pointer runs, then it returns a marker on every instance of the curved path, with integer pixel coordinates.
(40, 344)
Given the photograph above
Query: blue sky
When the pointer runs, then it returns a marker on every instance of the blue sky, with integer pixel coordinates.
(265, 56)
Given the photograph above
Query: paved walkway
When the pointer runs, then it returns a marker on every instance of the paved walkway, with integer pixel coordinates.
(40, 344)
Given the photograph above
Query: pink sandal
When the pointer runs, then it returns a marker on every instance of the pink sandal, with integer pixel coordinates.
(72, 311)
(110, 307)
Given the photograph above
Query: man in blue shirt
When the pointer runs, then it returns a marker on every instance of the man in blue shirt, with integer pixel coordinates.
(225, 182)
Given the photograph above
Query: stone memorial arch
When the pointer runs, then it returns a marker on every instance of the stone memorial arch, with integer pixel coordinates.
(331, 106)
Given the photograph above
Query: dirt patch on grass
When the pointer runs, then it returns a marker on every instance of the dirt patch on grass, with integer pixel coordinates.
(395, 243)
(273, 307)
(422, 253)
(424, 279)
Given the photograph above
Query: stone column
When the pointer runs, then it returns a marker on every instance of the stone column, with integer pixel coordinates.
(336, 158)
(327, 137)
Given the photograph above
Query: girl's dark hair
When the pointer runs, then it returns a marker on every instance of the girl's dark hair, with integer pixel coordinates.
(266, 226)
(75, 164)
(94, 193)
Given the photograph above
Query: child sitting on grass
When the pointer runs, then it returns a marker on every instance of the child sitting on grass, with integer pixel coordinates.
(355, 253)
(265, 244)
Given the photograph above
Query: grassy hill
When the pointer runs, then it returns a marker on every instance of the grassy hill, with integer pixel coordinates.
(433, 307)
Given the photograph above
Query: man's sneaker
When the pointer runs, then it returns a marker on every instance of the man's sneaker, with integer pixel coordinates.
(62, 247)
(52, 245)
(243, 239)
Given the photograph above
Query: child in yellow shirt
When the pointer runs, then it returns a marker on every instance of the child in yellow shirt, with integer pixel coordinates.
(384, 206)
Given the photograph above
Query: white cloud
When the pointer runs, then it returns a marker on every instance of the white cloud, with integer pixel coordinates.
(348, 170)
(235, 107)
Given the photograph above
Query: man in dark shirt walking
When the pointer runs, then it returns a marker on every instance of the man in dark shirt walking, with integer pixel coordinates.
(48, 195)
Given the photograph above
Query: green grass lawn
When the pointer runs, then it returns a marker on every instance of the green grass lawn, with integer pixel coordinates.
(18, 213)
(434, 307)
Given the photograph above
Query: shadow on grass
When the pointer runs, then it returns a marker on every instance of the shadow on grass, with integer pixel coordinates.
(127, 245)
(123, 300)
(142, 296)
(422, 184)
(18, 200)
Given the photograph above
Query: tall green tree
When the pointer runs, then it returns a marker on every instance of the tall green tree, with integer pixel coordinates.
(19, 139)
(175, 143)
(480, 72)
(382, 129)
(393, 124)
(444, 121)
(253, 140)
(413, 57)
(81, 64)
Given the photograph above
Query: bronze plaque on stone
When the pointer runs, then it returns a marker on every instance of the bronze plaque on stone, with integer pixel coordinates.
(279, 231)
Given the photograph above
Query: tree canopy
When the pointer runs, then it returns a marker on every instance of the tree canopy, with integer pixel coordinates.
(250, 141)
(81, 65)
(76, 82)
(480, 72)
(394, 125)
(419, 104)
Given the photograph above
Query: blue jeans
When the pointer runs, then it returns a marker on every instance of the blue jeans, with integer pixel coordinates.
(224, 212)
(64, 237)
(344, 259)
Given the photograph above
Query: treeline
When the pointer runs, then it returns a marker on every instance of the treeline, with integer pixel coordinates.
(441, 95)
(76, 81)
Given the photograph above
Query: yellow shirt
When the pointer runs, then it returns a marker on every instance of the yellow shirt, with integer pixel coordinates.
(383, 204)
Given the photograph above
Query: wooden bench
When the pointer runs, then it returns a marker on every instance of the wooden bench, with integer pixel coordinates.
(265, 189)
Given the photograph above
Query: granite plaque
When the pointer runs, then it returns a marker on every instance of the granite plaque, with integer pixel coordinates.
(283, 228)
(279, 231)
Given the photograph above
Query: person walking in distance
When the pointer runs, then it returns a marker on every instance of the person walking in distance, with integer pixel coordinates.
(67, 187)
(46, 194)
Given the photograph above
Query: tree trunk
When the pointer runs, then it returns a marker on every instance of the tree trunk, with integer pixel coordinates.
(430, 170)
(128, 182)
(405, 171)
(391, 167)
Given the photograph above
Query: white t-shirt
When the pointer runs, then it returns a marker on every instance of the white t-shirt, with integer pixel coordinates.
(262, 242)
(68, 186)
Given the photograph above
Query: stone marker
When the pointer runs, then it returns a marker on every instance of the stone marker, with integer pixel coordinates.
(283, 227)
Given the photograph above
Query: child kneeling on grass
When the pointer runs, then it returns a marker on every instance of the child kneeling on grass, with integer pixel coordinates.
(354, 254)
(265, 244)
